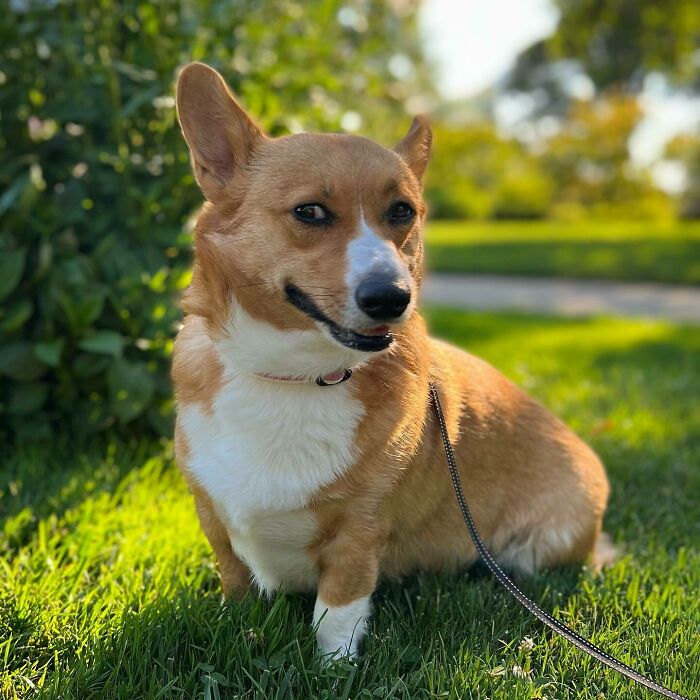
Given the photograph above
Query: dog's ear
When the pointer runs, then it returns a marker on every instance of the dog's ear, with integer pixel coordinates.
(414, 148)
(221, 136)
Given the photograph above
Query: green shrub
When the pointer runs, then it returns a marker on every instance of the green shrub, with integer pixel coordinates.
(95, 180)
(475, 173)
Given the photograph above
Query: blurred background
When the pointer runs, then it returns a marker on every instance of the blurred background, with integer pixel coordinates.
(567, 143)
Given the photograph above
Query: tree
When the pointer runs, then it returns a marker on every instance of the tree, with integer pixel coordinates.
(589, 161)
(615, 43)
(618, 41)
(604, 49)
(685, 150)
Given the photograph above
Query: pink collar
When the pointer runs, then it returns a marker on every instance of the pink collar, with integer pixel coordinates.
(330, 379)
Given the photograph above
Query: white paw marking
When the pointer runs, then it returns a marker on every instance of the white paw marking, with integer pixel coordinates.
(342, 628)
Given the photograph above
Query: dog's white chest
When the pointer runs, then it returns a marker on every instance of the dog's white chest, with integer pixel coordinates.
(275, 549)
(261, 454)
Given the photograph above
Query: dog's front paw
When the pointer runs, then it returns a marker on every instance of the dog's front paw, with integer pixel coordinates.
(340, 629)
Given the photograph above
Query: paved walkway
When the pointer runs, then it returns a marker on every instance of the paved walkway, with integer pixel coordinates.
(566, 297)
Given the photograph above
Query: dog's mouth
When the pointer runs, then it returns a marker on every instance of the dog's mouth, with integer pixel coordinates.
(372, 340)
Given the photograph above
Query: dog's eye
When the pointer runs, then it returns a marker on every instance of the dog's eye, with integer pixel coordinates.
(400, 213)
(312, 213)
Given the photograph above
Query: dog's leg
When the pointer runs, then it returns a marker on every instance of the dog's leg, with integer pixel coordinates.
(349, 569)
(235, 575)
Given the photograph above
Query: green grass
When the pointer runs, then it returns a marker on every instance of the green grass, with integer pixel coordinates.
(108, 589)
(621, 250)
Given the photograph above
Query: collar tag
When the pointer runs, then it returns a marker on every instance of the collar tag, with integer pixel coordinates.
(334, 378)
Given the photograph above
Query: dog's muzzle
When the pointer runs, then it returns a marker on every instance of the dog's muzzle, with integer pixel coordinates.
(345, 336)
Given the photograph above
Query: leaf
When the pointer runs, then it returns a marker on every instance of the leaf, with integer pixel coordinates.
(16, 315)
(13, 192)
(219, 678)
(270, 663)
(86, 365)
(17, 361)
(49, 351)
(411, 654)
(82, 311)
(27, 398)
(11, 268)
(160, 417)
(131, 388)
(276, 660)
(138, 100)
(103, 343)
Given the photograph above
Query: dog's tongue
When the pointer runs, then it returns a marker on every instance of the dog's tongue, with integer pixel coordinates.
(377, 330)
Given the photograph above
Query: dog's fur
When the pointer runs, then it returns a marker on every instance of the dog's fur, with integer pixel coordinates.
(330, 488)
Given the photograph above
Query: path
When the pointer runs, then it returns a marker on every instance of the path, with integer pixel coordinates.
(566, 297)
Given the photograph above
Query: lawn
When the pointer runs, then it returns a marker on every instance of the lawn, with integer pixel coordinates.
(620, 250)
(108, 589)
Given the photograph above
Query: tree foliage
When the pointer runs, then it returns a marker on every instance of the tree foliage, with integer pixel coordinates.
(589, 161)
(95, 179)
(477, 174)
(602, 49)
(684, 149)
(618, 41)
(581, 170)
(615, 43)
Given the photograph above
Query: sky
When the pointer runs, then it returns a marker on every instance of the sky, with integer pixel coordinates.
(473, 43)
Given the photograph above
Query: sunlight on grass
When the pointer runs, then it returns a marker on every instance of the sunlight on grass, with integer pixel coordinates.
(109, 590)
(441, 231)
(664, 252)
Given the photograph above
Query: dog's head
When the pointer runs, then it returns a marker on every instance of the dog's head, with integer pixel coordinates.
(306, 233)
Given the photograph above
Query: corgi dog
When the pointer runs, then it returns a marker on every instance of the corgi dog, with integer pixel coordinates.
(302, 369)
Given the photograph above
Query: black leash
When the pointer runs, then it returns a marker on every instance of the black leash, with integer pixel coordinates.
(559, 627)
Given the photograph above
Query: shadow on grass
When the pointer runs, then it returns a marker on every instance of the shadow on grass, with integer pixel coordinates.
(189, 643)
(654, 464)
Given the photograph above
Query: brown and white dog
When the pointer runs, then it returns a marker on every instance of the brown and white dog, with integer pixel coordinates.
(308, 263)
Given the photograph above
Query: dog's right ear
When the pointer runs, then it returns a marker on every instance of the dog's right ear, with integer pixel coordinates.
(221, 136)
(414, 148)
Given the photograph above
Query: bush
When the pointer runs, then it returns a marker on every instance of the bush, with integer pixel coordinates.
(476, 173)
(96, 181)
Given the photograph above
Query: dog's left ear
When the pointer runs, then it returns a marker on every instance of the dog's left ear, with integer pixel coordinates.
(414, 148)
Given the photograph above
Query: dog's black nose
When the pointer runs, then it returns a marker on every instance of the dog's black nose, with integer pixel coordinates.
(381, 298)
